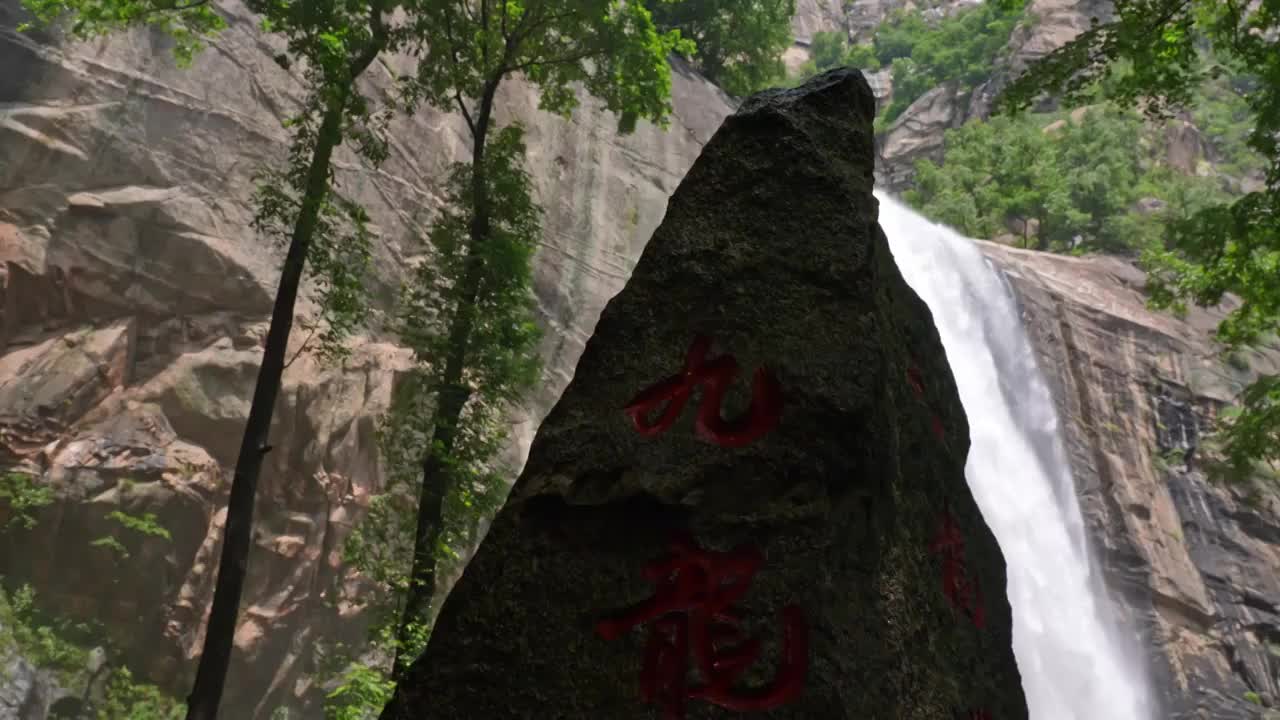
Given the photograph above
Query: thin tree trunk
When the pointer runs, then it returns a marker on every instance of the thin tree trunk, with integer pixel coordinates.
(215, 657)
(436, 481)
(202, 704)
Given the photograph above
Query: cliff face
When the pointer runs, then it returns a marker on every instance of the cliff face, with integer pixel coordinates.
(1195, 565)
(135, 300)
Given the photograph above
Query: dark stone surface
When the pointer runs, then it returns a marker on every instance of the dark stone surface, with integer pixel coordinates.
(770, 246)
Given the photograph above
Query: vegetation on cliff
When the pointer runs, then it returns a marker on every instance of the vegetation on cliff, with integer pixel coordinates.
(1094, 180)
(1100, 180)
(77, 655)
(1166, 52)
(961, 49)
(736, 44)
(66, 651)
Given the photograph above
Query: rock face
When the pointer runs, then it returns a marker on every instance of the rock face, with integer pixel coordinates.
(917, 134)
(831, 511)
(133, 301)
(27, 693)
(1195, 564)
(815, 16)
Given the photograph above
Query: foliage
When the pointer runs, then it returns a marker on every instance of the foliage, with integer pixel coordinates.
(364, 690)
(830, 50)
(467, 310)
(1221, 111)
(737, 44)
(548, 41)
(145, 524)
(333, 43)
(126, 698)
(189, 23)
(862, 57)
(1224, 247)
(959, 48)
(1246, 434)
(1079, 182)
(111, 543)
(61, 646)
(502, 365)
(22, 495)
(40, 639)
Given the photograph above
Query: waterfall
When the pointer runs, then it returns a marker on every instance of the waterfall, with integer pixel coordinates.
(1076, 661)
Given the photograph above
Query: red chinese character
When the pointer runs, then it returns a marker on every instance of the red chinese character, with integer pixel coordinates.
(978, 715)
(935, 424)
(916, 381)
(960, 590)
(715, 377)
(692, 610)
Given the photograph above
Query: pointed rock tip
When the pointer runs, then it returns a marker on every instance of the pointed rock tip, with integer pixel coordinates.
(839, 89)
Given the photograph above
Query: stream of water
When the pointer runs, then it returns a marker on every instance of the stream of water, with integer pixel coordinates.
(1077, 661)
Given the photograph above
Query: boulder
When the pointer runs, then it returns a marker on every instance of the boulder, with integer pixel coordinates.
(918, 134)
(817, 554)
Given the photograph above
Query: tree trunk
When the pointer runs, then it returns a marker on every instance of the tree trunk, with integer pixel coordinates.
(215, 657)
(436, 482)
(202, 703)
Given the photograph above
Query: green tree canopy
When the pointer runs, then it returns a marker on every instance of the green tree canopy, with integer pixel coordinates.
(959, 48)
(1078, 179)
(831, 49)
(737, 44)
(828, 49)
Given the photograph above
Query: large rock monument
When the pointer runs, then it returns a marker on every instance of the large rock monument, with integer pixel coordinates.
(751, 498)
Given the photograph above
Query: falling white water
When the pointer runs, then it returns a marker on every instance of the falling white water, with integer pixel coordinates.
(1076, 662)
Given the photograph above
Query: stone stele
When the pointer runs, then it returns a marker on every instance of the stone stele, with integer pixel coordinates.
(771, 250)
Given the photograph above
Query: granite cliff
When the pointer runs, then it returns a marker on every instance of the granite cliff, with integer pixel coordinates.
(1196, 564)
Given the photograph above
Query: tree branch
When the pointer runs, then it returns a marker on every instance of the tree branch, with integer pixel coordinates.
(557, 61)
(457, 63)
(523, 31)
(462, 105)
(301, 348)
(377, 41)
